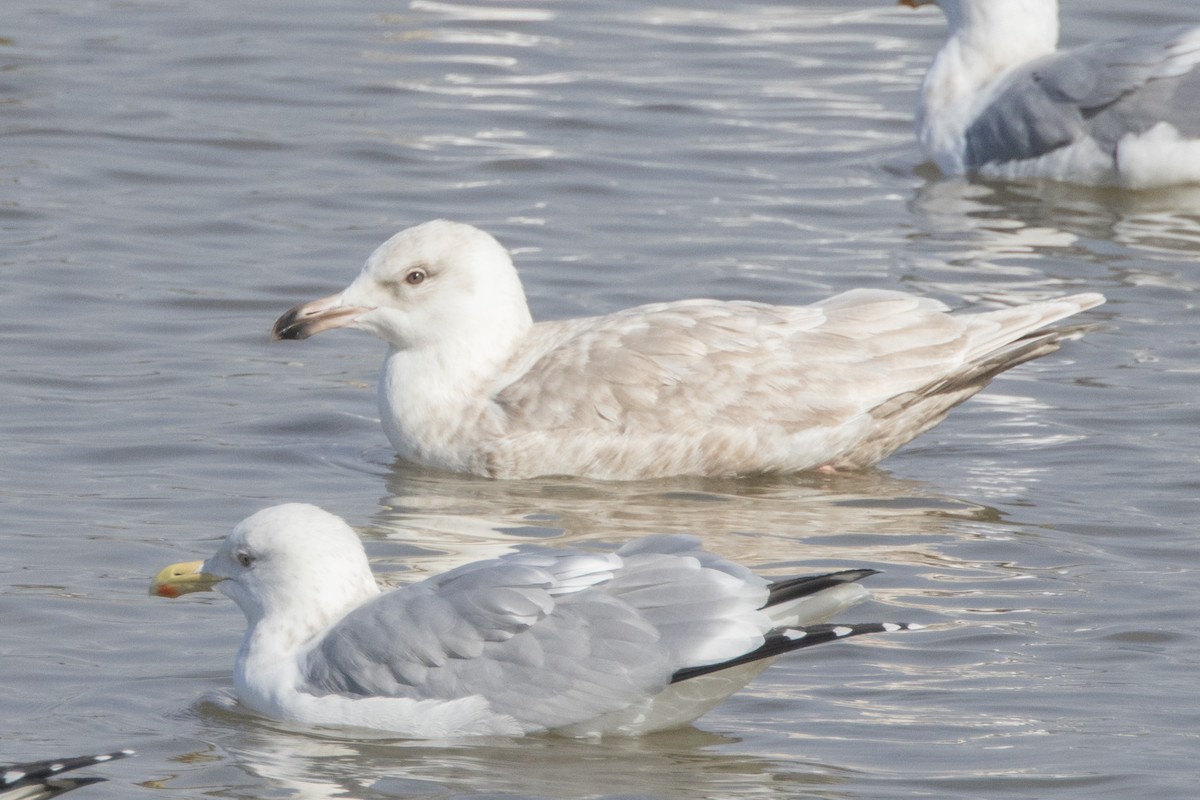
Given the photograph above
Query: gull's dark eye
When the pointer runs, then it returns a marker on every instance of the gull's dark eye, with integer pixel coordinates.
(245, 559)
(415, 277)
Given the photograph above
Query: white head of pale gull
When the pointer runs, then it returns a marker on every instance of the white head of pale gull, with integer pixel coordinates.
(438, 282)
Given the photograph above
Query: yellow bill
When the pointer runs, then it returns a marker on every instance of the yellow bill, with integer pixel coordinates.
(183, 578)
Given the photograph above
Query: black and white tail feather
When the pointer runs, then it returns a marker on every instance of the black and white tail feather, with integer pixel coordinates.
(38, 780)
(786, 639)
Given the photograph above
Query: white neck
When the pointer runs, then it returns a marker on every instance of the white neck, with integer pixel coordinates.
(267, 662)
(432, 399)
(986, 38)
(265, 668)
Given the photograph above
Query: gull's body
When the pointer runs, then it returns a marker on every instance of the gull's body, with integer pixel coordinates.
(1001, 100)
(697, 387)
(642, 639)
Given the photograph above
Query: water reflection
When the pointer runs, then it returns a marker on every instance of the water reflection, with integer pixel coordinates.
(945, 558)
(688, 763)
(1027, 236)
(780, 522)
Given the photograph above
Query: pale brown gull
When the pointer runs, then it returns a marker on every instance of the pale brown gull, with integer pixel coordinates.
(695, 387)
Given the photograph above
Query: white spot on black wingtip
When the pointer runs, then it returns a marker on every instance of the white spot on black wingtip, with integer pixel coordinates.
(842, 630)
(794, 633)
(18, 775)
(118, 754)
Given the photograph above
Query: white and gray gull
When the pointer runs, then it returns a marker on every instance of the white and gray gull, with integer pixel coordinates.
(580, 643)
(695, 387)
(1001, 100)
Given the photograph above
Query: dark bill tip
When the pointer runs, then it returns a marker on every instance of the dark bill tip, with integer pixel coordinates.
(291, 325)
(308, 319)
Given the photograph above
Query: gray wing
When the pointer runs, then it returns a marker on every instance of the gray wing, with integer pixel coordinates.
(705, 608)
(1103, 91)
(519, 631)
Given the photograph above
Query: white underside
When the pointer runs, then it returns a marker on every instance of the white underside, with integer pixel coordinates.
(676, 706)
(1157, 158)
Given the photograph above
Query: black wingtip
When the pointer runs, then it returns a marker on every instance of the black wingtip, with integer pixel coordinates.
(792, 588)
(44, 779)
(785, 640)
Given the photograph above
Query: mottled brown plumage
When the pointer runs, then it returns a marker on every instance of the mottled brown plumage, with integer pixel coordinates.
(695, 387)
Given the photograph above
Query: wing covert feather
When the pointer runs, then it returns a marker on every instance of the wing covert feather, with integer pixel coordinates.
(643, 370)
(540, 651)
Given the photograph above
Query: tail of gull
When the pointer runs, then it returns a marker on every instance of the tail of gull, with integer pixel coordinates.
(808, 597)
(998, 341)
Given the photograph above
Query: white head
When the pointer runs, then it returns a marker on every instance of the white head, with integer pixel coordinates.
(295, 560)
(1034, 21)
(434, 284)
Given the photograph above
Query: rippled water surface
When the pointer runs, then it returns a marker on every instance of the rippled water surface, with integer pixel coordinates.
(175, 174)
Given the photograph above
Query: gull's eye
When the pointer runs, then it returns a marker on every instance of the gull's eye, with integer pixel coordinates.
(415, 276)
(245, 559)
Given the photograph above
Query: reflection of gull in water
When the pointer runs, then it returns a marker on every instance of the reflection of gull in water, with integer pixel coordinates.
(687, 763)
(435, 521)
(1000, 100)
(696, 387)
(974, 238)
(645, 638)
(975, 241)
(957, 209)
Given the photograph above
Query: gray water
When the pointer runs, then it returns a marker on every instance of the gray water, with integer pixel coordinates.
(175, 174)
